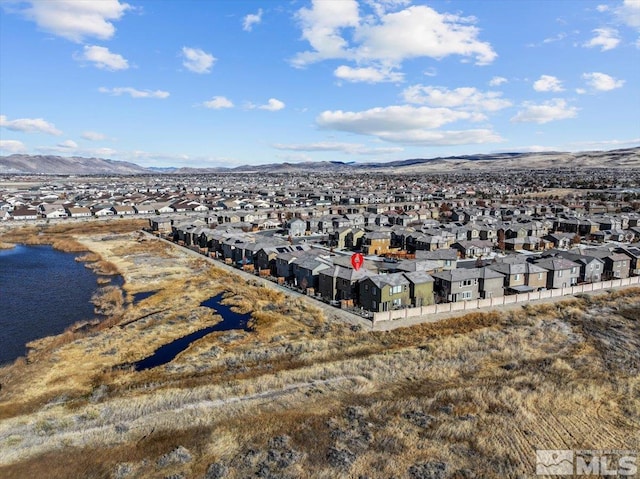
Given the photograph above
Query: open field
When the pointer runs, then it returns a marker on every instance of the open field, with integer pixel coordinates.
(302, 396)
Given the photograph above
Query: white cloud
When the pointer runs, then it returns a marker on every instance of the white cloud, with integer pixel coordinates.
(134, 93)
(350, 148)
(629, 13)
(272, 105)
(103, 58)
(218, 102)
(601, 81)
(321, 26)
(552, 110)
(465, 98)
(76, 20)
(196, 60)
(68, 144)
(407, 124)
(12, 146)
(605, 38)
(548, 83)
(367, 74)
(251, 19)
(443, 137)
(396, 118)
(29, 125)
(497, 81)
(602, 8)
(388, 38)
(93, 136)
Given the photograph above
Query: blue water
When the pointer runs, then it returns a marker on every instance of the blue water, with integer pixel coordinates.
(42, 292)
(137, 297)
(166, 353)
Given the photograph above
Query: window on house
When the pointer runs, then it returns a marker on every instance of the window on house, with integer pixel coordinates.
(517, 277)
(466, 295)
(573, 270)
(366, 287)
(396, 289)
(539, 275)
(466, 282)
(560, 274)
(374, 290)
(397, 302)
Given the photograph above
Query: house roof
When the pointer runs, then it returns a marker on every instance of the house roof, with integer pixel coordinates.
(394, 279)
(419, 277)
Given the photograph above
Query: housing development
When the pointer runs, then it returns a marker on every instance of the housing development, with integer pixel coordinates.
(426, 239)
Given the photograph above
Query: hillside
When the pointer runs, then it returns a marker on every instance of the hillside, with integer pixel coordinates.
(58, 165)
(611, 159)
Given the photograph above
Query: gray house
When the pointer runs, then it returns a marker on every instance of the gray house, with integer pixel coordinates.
(562, 273)
(457, 284)
(296, 227)
(491, 283)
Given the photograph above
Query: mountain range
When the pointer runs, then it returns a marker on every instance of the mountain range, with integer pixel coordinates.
(58, 165)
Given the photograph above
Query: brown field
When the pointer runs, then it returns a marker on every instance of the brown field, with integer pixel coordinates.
(301, 396)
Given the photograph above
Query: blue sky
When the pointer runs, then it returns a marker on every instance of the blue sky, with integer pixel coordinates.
(225, 83)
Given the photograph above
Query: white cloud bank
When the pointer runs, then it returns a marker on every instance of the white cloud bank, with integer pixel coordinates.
(384, 39)
(12, 146)
(76, 20)
(604, 38)
(251, 19)
(29, 125)
(134, 93)
(102, 58)
(93, 136)
(548, 83)
(407, 124)
(218, 103)
(552, 110)
(272, 105)
(196, 60)
(601, 81)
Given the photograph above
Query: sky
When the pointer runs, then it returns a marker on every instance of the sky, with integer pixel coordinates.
(229, 82)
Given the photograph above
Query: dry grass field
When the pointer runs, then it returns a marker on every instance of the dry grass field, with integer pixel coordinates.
(300, 396)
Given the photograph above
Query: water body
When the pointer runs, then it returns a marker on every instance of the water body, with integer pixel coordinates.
(166, 353)
(42, 292)
(137, 297)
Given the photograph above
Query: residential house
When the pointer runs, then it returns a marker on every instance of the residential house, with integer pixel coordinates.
(340, 283)
(384, 292)
(457, 284)
(490, 283)
(306, 271)
(420, 288)
(377, 242)
(521, 277)
(473, 249)
(616, 265)
(562, 273)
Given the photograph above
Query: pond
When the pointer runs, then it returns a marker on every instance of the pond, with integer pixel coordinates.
(164, 354)
(42, 292)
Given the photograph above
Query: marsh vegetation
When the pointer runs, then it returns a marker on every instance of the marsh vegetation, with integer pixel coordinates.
(298, 395)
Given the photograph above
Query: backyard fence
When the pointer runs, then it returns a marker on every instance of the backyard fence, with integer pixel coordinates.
(500, 300)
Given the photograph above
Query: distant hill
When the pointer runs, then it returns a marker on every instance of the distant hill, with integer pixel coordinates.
(612, 159)
(59, 165)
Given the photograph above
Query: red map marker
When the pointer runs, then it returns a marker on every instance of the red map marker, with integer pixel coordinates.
(356, 260)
